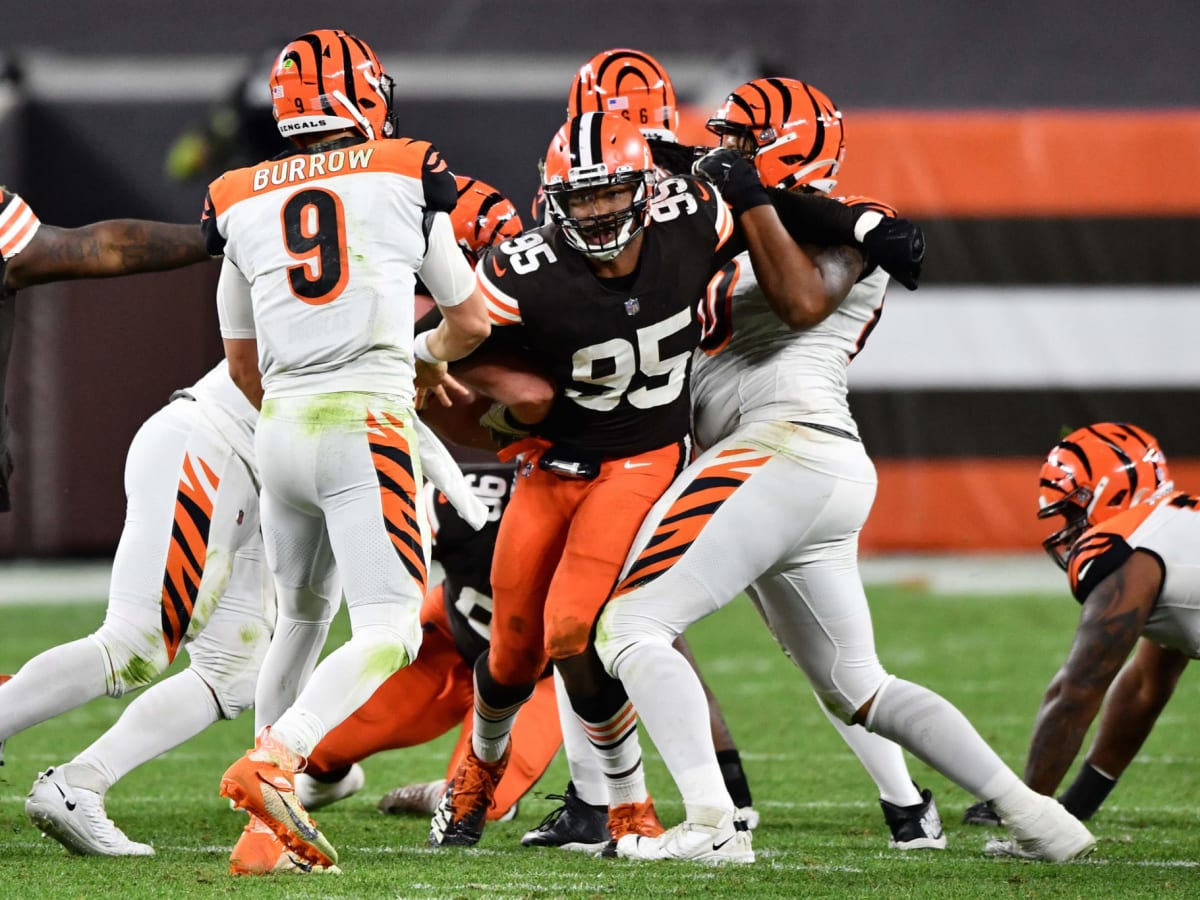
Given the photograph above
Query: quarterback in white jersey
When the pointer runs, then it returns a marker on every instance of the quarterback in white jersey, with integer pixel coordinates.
(774, 506)
(1128, 544)
(322, 250)
(188, 573)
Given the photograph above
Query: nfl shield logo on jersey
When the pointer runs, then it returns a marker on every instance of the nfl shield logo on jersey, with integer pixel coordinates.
(632, 307)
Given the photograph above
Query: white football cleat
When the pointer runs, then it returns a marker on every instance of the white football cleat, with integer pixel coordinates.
(75, 817)
(727, 841)
(1048, 833)
(314, 794)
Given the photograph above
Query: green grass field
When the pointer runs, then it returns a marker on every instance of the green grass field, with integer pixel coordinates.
(822, 834)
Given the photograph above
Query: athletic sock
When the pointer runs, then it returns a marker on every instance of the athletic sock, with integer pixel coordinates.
(734, 776)
(1087, 792)
(673, 710)
(883, 760)
(932, 729)
(610, 724)
(160, 719)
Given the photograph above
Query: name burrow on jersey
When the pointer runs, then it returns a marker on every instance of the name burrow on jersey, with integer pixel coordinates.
(314, 165)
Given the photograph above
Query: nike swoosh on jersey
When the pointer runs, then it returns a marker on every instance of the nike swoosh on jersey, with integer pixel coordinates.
(629, 464)
(497, 268)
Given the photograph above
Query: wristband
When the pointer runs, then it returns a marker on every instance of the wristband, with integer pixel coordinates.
(865, 223)
(421, 349)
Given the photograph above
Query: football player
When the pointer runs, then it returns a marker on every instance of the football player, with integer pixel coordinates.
(32, 252)
(427, 698)
(1125, 543)
(774, 506)
(188, 573)
(188, 570)
(322, 249)
(629, 255)
(634, 84)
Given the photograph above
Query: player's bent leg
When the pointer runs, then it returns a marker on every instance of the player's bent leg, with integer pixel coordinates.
(911, 814)
(931, 728)
(470, 792)
(728, 756)
(171, 563)
(536, 738)
(414, 705)
(219, 683)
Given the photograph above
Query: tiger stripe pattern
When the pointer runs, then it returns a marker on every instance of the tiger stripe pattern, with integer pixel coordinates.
(188, 550)
(792, 131)
(690, 512)
(392, 459)
(630, 83)
(482, 217)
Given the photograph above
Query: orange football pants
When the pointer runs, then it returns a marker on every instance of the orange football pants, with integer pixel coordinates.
(560, 549)
(426, 699)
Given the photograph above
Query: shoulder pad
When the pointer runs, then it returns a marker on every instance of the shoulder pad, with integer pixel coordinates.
(1094, 557)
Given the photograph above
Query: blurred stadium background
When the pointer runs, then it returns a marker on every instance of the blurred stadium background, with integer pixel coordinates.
(1051, 150)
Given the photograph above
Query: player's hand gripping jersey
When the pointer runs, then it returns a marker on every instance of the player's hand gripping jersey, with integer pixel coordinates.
(622, 350)
(332, 293)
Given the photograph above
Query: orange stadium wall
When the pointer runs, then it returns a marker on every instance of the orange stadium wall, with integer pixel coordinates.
(1028, 209)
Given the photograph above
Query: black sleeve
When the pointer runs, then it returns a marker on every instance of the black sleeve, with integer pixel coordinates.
(437, 181)
(672, 157)
(816, 219)
(213, 240)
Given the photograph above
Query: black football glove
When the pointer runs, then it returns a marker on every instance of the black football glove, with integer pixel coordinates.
(734, 176)
(895, 245)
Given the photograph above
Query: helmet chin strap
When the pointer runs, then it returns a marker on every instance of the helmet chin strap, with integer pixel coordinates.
(355, 114)
(1096, 494)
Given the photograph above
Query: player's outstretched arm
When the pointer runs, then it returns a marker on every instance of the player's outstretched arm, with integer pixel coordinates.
(104, 249)
(1131, 707)
(1111, 622)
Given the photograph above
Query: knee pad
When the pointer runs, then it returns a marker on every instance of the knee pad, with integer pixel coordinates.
(385, 649)
(231, 676)
(135, 659)
(390, 624)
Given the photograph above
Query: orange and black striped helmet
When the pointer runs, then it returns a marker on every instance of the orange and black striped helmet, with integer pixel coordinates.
(791, 130)
(328, 80)
(482, 217)
(589, 153)
(1094, 473)
(630, 83)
